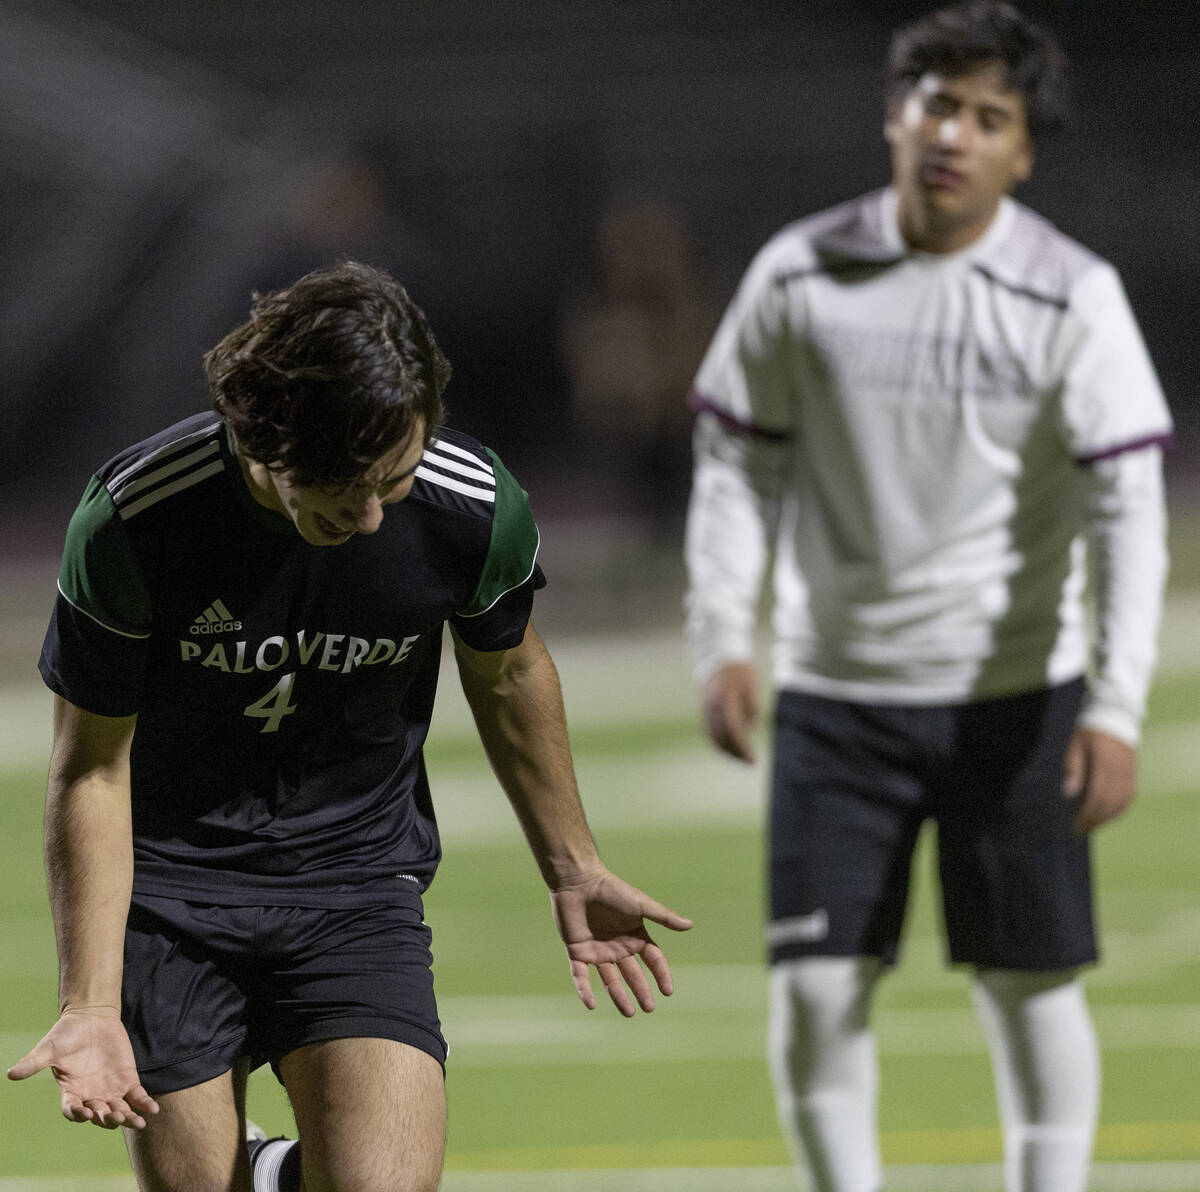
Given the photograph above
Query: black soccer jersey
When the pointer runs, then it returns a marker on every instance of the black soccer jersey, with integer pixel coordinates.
(283, 690)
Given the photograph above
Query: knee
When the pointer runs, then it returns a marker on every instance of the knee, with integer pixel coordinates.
(823, 993)
(818, 1019)
(1026, 978)
(1012, 988)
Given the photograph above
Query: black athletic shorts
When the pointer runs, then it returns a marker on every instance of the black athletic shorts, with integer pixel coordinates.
(851, 787)
(207, 985)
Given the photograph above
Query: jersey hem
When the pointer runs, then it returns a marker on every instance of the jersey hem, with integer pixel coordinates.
(370, 892)
(916, 696)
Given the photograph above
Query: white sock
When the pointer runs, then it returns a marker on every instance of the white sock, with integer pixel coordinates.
(1047, 1069)
(268, 1166)
(823, 1064)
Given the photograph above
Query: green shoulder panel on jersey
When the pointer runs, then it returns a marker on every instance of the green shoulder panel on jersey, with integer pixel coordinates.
(100, 574)
(514, 545)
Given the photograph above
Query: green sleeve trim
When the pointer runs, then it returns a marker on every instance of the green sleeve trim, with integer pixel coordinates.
(100, 575)
(512, 552)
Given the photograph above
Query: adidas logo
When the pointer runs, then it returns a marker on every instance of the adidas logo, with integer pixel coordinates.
(214, 619)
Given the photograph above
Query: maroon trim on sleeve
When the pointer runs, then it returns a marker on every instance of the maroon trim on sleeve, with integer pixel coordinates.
(1164, 440)
(705, 405)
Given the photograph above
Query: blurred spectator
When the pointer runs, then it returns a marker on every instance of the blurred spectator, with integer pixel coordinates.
(632, 338)
(335, 206)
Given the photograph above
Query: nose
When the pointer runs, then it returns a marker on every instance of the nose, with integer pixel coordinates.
(365, 515)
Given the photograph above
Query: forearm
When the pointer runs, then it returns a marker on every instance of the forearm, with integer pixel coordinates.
(1127, 537)
(89, 852)
(519, 713)
(732, 522)
(89, 865)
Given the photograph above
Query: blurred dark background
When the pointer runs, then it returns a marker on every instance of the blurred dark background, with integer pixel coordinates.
(570, 190)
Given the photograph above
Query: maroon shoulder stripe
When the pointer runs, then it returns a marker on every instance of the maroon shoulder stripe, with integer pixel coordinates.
(704, 405)
(1164, 440)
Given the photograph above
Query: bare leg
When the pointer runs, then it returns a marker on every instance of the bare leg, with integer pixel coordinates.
(371, 1115)
(196, 1143)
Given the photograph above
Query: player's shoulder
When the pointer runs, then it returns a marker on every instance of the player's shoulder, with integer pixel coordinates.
(165, 464)
(1039, 259)
(851, 233)
(457, 474)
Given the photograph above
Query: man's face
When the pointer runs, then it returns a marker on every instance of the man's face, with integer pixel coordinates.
(959, 143)
(327, 517)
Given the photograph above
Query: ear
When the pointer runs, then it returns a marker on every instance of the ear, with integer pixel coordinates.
(891, 119)
(1023, 166)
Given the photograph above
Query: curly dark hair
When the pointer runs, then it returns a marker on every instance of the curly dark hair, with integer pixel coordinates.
(329, 374)
(954, 40)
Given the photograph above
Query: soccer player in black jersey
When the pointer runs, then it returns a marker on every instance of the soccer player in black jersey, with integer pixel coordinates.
(239, 826)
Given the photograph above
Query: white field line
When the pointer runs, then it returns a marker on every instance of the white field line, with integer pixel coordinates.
(53, 1183)
(692, 784)
(718, 1012)
(621, 679)
(660, 789)
(1105, 1177)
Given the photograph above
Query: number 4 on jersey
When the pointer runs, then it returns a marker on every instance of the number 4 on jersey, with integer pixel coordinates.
(275, 705)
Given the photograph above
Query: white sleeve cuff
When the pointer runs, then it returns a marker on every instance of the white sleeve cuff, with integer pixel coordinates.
(1116, 722)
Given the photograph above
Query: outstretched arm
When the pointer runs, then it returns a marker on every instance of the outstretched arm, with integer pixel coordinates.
(516, 700)
(89, 865)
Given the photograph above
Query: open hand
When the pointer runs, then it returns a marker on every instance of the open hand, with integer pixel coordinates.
(600, 918)
(91, 1058)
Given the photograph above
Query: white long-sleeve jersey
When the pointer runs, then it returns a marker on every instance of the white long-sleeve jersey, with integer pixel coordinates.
(924, 443)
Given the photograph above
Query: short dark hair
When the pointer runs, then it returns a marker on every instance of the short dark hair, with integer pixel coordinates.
(957, 39)
(329, 374)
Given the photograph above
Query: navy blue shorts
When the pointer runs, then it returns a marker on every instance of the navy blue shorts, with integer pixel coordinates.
(208, 985)
(851, 788)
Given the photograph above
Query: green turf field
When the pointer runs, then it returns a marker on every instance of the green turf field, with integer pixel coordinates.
(538, 1085)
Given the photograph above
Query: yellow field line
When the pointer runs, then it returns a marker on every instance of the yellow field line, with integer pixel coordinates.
(1118, 1141)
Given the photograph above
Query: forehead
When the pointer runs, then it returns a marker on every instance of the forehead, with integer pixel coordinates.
(396, 462)
(985, 85)
(400, 459)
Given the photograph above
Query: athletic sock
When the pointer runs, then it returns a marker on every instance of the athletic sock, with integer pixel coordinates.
(823, 1064)
(275, 1165)
(1047, 1070)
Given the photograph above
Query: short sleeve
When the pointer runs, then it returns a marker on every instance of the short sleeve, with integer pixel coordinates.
(95, 647)
(495, 616)
(745, 376)
(1111, 400)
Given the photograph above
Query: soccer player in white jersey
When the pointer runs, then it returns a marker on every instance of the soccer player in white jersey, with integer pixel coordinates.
(239, 826)
(925, 404)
